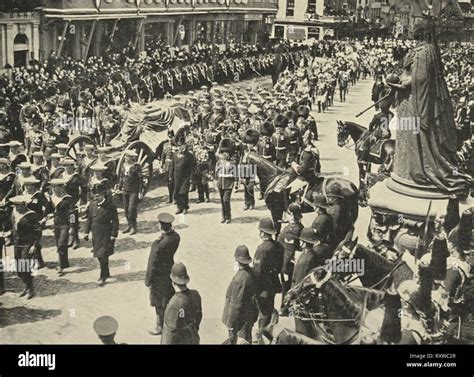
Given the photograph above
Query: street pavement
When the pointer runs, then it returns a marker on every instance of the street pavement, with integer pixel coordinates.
(65, 308)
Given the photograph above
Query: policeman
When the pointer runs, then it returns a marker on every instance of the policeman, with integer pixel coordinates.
(268, 263)
(305, 263)
(280, 140)
(106, 329)
(131, 185)
(203, 165)
(76, 187)
(183, 313)
(63, 207)
(240, 310)
(289, 238)
(26, 232)
(103, 222)
(158, 272)
(166, 157)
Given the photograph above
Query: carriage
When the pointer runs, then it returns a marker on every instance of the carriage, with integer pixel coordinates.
(145, 131)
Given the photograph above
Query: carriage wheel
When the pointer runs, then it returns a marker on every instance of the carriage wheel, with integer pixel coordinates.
(145, 159)
(76, 147)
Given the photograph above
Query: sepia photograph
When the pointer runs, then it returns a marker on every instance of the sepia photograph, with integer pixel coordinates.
(237, 172)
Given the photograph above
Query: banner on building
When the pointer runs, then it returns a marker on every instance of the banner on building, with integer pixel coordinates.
(296, 33)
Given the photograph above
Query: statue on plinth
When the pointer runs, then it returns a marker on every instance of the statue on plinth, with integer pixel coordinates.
(425, 156)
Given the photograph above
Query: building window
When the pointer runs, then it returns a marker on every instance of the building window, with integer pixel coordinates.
(290, 8)
(312, 6)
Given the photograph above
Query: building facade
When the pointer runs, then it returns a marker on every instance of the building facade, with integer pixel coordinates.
(19, 35)
(79, 28)
(298, 20)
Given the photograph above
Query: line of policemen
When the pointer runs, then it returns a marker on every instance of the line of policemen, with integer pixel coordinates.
(60, 188)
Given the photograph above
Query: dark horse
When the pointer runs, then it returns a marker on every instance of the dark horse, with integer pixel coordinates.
(339, 313)
(341, 193)
(339, 310)
(384, 149)
(379, 272)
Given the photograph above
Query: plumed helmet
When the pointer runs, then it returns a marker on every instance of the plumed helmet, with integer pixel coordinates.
(267, 129)
(280, 121)
(251, 137)
(227, 145)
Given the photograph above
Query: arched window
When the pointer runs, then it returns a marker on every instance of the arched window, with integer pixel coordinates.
(20, 39)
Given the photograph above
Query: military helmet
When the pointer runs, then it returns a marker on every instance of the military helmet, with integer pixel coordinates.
(266, 226)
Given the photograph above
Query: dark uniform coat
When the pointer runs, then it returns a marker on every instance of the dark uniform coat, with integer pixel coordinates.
(102, 220)
(305, 263)
(268, 262)
(158, 271)
(289, 238)
(324, 224)
(181, 170)
(240, 300)
(183, 316)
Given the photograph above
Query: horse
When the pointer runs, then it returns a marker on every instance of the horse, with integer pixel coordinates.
(342, 314)
(384, 149)
(379, 272)
(341, 193)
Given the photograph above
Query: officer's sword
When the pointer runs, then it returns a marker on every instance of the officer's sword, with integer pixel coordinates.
(375, 104)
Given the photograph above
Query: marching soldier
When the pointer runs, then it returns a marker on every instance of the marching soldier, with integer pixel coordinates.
(56, 169)
(63, 207)
(181, 170)
(7, 180)
(159, 267)
(103, 159)
(166, 158)
(76, 187)
(15, 156)
(203, 165)
(131, 185)
(294, 142)
(98, 178)
(251, 140)
(268, 262)
(289, 238)
(225, 179)
(87, 161)
(39, 169)
(183, 313)
(26, 232)
(280, 140)
(240, 310)
(38, 203)
(103, 222)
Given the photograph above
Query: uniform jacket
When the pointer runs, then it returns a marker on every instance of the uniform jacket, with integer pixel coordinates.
(225, 175)
(158, 271)
(63, 207)
(131, 178)
(76, 186)
(102, 220)
(324, 224)
(268, 262)
(240, 299)
(183, 317)
(305, 263)
(26, 229)
(181, 170)
(289, 238)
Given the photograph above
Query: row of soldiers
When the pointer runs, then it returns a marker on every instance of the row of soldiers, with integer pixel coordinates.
(66, 191)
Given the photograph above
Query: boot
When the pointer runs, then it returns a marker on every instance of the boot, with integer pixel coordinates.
(76, 244)
(128, 229)
(31, 294)
(102, 282)
(158, 329)
(133, 230)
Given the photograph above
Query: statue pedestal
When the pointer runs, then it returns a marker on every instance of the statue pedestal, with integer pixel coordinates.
(396, 197)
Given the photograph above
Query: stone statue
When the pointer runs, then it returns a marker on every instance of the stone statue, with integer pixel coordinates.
(425, 156)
